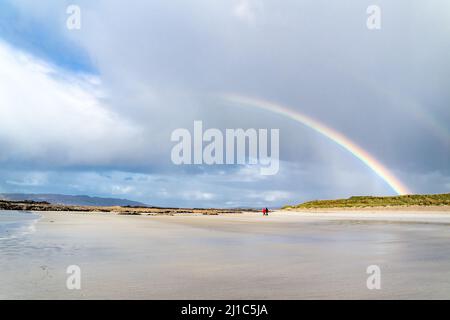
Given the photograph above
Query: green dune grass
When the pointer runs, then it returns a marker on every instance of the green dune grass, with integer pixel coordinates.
(368, 201)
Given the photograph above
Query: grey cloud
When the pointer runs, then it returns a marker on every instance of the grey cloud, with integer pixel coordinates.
(161, 61)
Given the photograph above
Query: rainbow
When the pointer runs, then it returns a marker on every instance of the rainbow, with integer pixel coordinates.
(328, 132)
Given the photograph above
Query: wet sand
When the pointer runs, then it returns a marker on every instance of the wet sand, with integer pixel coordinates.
(287, 255)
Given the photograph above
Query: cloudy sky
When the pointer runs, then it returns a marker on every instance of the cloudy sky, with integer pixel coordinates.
(91, 111)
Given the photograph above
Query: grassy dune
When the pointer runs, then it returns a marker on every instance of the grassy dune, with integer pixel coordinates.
(367, 201)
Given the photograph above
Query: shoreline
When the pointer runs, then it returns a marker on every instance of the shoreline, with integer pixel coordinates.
(158, 211)
(276, 217)
(34, 206)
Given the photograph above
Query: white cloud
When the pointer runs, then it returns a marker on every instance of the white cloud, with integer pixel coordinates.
(51, 115)
(248, 10)
(272, 196)
(197, 195)
(31, 179)
(122, 189)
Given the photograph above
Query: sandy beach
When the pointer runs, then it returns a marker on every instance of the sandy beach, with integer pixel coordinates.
(287, 255)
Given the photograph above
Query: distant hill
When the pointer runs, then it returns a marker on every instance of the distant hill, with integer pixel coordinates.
(368, 201)
(68, 200)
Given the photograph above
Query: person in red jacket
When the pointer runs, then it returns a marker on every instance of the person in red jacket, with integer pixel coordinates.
(264, 211)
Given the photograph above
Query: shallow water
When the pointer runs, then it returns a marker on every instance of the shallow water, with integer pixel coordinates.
(226, 257)
(15, 224)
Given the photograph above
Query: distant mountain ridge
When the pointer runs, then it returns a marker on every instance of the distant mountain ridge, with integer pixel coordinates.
(69, 200)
